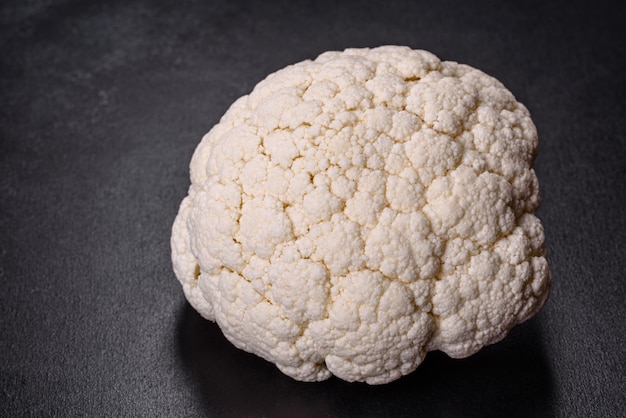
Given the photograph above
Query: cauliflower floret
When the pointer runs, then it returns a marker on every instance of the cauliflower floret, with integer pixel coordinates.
(356, 211)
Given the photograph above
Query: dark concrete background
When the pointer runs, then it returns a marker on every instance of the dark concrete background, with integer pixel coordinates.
(101, 106)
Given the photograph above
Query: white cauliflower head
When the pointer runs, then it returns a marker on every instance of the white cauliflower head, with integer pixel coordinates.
(354, 212)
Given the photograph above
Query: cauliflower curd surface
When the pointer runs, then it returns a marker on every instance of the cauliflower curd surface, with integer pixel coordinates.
(356, 211)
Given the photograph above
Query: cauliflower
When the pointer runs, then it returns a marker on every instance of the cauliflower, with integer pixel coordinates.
(356, 211)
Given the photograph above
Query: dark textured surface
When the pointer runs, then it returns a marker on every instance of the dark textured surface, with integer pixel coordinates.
(101, 106)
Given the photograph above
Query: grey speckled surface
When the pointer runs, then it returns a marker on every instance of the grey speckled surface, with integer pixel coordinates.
(102, 104)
